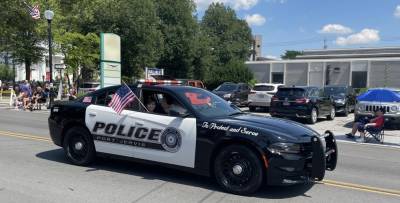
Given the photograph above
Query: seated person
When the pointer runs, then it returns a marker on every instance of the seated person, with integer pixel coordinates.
(150, 104)
(169, 104)
(373, 124)
(37, 95)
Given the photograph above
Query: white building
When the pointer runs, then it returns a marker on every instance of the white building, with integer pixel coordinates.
(363, 67)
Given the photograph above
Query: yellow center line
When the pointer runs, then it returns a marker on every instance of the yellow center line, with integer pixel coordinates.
(24, 136)
(333, 183)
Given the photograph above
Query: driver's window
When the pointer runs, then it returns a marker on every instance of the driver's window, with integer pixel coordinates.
(161, 103)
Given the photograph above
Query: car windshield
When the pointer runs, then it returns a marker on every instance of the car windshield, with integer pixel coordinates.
(335, 91)
(290, 92)
(227, 87)
(263, 88)
(208, 104)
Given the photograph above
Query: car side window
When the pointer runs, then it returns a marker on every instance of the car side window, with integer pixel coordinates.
(161, 103)
(103, 99)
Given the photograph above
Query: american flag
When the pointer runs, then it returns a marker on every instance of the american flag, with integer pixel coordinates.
(34, 12)
(121, 98)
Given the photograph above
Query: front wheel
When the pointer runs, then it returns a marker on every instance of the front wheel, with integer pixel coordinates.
(79, 147)
(313, 116)
(238, 170)
(332, 114)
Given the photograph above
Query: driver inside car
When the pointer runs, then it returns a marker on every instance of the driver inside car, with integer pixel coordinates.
(170, 105)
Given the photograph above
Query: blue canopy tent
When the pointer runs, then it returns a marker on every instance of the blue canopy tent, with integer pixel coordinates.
(380, 95)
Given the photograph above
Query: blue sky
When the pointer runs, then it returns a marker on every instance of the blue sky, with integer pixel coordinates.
(303, 24)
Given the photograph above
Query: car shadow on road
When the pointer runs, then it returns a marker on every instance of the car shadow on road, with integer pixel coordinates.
(156, 172)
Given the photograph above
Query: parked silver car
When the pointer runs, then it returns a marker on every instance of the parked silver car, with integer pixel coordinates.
(261, 94)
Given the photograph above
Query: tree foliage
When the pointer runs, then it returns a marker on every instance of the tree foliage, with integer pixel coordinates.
(291, 54)
(230, 39)
(154, 33)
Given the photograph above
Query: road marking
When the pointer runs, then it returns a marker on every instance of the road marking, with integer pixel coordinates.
(364, 188)
(381, 146)
(333, 183)
(25, 136)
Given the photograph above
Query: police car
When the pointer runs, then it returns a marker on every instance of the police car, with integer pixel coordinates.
(206, 135)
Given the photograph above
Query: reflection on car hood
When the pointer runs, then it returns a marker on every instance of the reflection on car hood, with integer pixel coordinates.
(280, 129)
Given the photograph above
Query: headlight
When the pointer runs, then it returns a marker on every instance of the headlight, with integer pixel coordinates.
(393, 108)
(340, 101)
(280, 147)
(227, 95)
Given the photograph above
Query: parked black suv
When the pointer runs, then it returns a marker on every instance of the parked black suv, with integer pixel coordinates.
(344, 98)
(235, 93)
(302, 102)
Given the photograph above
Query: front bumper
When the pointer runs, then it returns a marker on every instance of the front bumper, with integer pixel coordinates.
(55, 132)
(311, 165)
(340, 107)
(291, 113)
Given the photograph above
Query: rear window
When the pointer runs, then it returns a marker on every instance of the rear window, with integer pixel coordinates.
(290, 92)
(264, 88)
(227, 87)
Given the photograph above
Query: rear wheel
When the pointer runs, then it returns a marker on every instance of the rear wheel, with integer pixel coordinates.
(79, 147)
(332, 114)
(313, 116)
(238, 170)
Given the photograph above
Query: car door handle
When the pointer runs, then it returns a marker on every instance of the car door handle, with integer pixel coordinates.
(92, 114)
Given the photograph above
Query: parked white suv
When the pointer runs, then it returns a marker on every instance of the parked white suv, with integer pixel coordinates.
(261, 94)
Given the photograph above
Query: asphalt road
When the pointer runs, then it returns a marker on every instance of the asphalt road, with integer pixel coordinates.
(32, 169)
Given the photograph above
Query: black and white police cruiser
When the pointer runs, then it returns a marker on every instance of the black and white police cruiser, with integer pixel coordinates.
(206, 135)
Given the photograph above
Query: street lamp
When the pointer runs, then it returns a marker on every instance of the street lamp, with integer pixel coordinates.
(48, 14)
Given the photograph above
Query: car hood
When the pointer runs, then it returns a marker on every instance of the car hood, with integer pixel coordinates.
(279, 130)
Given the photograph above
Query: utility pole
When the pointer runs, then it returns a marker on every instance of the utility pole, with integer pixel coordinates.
(325, 45)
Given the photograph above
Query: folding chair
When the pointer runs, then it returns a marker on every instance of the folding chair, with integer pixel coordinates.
(376, 133)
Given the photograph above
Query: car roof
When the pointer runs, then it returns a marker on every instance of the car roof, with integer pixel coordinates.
(272, 84)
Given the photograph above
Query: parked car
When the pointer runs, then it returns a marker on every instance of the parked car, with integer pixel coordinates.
(261, 94)
(236, 93)
(386, 98)
(87, 87)
(193, 83)
(308, 103)
(344, 98)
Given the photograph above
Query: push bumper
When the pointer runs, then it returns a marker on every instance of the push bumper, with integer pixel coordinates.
(320, 155)
(55, 132)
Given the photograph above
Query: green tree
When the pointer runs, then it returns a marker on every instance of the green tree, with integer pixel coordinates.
(230, 39)
(21, 36)
(137, 23)
(291, 54)
(80, 51)
(178, 27)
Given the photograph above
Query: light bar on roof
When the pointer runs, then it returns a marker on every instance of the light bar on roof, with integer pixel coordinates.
(159, 82)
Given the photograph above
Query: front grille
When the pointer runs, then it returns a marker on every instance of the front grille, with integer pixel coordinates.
(372, 108)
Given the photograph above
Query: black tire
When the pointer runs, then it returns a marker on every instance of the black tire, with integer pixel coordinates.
(252, 108)
(313, 116)
(79, 147)
(238, 170)
(346, 110)
(332, 114)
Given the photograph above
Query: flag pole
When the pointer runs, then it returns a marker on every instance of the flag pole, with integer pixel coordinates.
(140, 102)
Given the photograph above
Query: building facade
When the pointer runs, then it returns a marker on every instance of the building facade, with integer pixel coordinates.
(360, 68)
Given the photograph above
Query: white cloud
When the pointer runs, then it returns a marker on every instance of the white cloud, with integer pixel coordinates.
(255, 19)
(397, 12)
(235, 4)
(335, 29)
(366, 36)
